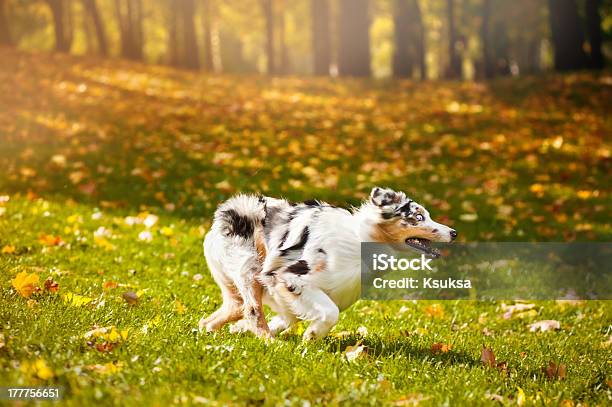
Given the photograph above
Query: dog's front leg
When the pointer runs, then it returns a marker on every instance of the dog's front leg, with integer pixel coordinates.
(314, 305)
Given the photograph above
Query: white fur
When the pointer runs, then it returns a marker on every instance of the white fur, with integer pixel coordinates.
(334, 238)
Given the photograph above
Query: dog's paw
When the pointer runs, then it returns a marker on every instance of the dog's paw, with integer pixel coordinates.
(277, 324)
(202, 325)
(239, 327)
(310, 335)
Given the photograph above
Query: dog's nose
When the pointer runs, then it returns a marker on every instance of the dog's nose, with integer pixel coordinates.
(453, 234)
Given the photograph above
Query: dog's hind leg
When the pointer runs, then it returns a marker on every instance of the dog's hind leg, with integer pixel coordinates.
(231, 309)
(251, 292)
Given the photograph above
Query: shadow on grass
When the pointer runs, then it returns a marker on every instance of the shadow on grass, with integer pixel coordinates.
(383, 348)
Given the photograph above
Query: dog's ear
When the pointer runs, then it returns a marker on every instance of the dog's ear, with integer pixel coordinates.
(384, 197)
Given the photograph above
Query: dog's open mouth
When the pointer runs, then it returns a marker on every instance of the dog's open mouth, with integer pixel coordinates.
(423, 246)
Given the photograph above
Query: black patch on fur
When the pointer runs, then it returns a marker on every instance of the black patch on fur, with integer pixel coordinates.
(312, 202)
(322, 251)
(405, 208)
(388, 215)
(238, 225)
(283, 239)
(300, 244)
(300, 268)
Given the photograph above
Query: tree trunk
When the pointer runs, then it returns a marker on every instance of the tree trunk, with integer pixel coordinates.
(402, 57)
(593, 22)
(454, 67)
(354, 38)
(190, 43)
(567, 35)
(283, 67)
(487, 63)
(92, 9)
(319, 12)
(137, 30)
(208, 43)
(60, 25)
(5, 34)
(173, 42)
(421, 40)
(130, 28)
(268, 12)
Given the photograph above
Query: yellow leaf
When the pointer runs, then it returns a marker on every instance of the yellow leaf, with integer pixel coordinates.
(179, 307)
(25, 283)
(166, 231)
(434, 310)
(8, 249)
(354, 352)
(76, 299)
(520, 397)
(42, 370)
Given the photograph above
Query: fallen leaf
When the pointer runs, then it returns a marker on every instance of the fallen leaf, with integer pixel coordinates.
(515, 309)
(38, 369)
(8, 249)
(434, 310)
(554, 371)
(76, 300)
(130, 297)
(468, 217)
(108, 285)
(439, 347)
(520, 397)
(106, 368)
(545, 325)
(25, 283)
(51, 286)
(412, 399)
(179, 307)
(487, 357)
(49, 240)
(362, 330)
(355, 351)
(341, 334)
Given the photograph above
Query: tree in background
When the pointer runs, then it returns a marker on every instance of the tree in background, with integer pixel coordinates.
(173, 47)
(91, 8)
(321, 37)
(268, 13)
(454, 65)
(5, 35)
(487, 63)
(129, 17)
(283, 66)
(189, 53)
(354, 38)
(408, 39)
(208, 41)
(567, 35)
(593, 23)
(62, 24)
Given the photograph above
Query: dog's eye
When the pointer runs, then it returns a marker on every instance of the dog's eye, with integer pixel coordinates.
(419, 217)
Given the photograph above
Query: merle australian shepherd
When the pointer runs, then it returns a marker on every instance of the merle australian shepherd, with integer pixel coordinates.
(303, 260)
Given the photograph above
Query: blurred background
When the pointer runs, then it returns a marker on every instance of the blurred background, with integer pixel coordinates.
(469, 39)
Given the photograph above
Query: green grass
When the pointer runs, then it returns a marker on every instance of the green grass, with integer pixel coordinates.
(86, 143)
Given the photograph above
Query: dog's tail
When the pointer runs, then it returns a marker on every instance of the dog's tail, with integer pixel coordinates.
(240, 216)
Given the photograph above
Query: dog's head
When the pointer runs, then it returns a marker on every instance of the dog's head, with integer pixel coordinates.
(400, 219)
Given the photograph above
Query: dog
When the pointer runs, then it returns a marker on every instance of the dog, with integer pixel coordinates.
(303, 260)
